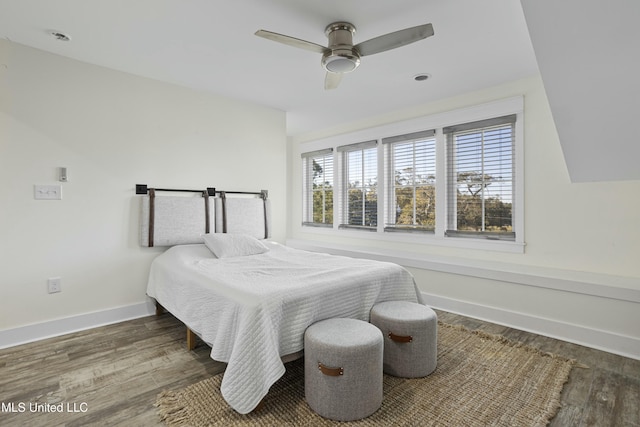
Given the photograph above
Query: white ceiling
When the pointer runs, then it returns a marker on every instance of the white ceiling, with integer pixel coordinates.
(210, 45)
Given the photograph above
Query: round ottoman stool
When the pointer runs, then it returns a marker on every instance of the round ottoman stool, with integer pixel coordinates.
(410, 337)
(343, 368)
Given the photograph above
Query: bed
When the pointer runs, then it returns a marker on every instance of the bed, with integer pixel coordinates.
(251, 299)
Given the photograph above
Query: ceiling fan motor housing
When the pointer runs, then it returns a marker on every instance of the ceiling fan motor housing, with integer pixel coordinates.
(340, 56)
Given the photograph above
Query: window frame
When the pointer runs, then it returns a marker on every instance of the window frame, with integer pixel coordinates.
(389, 160)
(343, 207)
(437, 121)
(308, 190)
(482, 128)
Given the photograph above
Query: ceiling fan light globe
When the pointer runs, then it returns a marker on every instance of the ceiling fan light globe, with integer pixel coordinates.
(340, 62)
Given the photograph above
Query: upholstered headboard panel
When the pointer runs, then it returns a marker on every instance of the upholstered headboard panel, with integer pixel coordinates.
(181, 220)
(175, 221)
(243, 215)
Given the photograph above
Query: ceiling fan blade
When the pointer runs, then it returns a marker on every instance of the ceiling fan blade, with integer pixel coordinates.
(332, 80)
(291, 41)
(394, 40)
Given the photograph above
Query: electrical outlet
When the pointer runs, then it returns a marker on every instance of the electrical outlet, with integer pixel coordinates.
(54, 285)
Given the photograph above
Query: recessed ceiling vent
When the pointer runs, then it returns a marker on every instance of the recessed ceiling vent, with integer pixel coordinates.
(60, 36)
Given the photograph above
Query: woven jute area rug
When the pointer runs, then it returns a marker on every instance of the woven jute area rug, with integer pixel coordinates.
(481, 380)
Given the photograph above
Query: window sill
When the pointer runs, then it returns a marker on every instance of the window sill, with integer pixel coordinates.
(420, 238)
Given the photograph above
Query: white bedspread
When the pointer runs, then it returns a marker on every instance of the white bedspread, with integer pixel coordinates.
(254, 309)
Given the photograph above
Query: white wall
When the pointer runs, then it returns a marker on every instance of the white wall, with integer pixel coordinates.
(579, 276)
(111, 130)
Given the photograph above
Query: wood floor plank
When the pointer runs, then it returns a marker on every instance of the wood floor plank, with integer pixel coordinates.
(568, 416)
(628, 403)
(577, 389)
(31, 369)
(631, 368)
(32, 392)
(601, 408)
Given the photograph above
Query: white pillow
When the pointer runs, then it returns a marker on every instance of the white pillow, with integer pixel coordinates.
(224, 245)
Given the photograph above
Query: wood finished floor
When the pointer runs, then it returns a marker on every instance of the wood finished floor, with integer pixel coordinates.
(112, 375)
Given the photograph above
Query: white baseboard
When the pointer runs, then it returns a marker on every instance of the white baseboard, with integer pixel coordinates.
(602, 340)
(54, 328)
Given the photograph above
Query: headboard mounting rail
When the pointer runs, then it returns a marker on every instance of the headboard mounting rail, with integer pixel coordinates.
(211, 191)
(143, 189)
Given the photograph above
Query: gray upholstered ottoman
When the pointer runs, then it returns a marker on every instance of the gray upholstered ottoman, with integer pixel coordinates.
(343, 368)
(410, 337)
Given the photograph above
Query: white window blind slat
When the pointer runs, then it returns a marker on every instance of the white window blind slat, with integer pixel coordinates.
(358, 146)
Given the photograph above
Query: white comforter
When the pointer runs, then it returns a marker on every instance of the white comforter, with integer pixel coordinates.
(254, 309)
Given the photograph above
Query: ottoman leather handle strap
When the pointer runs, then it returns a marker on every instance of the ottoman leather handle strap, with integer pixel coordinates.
(332, 372)
(400, 338)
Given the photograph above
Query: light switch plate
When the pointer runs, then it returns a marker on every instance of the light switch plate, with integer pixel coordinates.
(47, 192)
(54, 285)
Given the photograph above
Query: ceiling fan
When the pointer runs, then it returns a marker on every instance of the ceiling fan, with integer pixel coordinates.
(341, 56)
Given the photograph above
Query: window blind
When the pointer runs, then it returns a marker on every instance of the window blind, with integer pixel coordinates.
(411, 176)
(358, 146)
(480, 171)
(425, 134)
(317, 153)
(317, 169)
(360, 185)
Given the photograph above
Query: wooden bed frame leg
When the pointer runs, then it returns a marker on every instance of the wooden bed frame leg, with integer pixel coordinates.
(159, 309)
(191, 339)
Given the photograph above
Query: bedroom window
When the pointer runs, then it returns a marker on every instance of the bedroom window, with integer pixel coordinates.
(410, 165)
(451, 179)
(360, 185)
(318, 188)
(481, 184)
